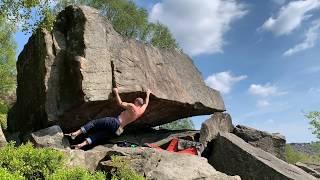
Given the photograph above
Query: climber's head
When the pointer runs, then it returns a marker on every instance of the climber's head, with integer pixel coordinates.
(138, 101)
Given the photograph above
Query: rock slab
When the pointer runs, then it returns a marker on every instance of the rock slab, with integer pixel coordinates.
(163, 165)
(234, 156)
(308, 169)
(66, 76)
(273, 143)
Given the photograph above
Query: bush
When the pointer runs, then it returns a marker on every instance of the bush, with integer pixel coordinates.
(76, 174)
(123, 170)
(6, 175)
(29, 162)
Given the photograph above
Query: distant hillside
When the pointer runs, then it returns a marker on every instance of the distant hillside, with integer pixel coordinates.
(303, 152)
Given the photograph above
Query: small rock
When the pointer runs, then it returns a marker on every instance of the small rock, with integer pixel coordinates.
(49, 137)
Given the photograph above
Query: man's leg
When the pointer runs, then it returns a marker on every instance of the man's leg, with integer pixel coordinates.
(93, 138)
(94, 124)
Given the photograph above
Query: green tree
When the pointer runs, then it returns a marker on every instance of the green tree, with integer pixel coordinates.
(7, 68)
(7, 58)
(28, 14)
(185, 123)
(161, 36)
(314, 121)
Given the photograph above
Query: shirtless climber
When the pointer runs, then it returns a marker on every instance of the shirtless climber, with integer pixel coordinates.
(112, 125)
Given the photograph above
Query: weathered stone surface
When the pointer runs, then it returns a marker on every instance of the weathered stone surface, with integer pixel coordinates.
(218, 122)
(308, 169)
(87, 159)
(163, 165)
(313, 166)
(67, 76)
(273, 143)
(234, 156)
(3, 140)
(152, 163)
(49, 137)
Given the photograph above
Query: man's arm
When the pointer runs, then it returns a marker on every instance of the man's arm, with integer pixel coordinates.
(147, 99)
(124, 105)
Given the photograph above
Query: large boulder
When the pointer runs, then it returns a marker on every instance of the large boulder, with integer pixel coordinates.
(49, 137)
(234, 156)
(164, 165)
(273, 143)
(67, 76)
(218, 122)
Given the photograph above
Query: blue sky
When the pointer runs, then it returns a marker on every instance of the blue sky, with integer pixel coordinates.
(262, 55)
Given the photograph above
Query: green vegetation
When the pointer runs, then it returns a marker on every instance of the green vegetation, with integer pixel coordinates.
(7, 68)
(76, 174)
(126, 18)
(27, 162)
(314, 121)
(6, 175)
(30, 162)
(28, 14)
(293, 156)
(7, 59)
(123, 170)
(179, 124)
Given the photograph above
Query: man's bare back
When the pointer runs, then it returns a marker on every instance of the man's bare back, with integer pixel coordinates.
(132, 110)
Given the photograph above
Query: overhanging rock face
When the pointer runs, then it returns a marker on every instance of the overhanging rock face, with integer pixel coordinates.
(67, 75)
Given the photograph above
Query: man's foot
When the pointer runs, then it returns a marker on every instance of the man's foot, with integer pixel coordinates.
(71, 135)
(79, 146)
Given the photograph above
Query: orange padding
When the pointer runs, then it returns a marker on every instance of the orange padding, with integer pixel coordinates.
(173, 146)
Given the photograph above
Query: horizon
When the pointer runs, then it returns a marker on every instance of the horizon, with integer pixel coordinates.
(263, 61)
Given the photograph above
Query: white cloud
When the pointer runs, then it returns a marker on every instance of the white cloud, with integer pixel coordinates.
(291, 16)
(199, 26)
(263, 103)
(311, 37)
(223, 81)
(264, 90)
